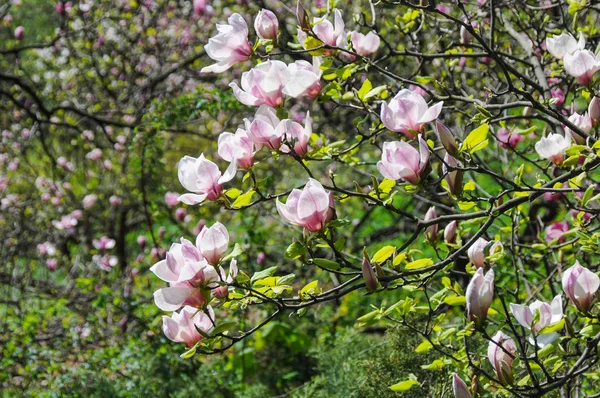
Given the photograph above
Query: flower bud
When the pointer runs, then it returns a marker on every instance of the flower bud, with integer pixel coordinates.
(450, 232)
(261, 258)
(141, 241)
(479, 295)
(19, 33)
(180, 214)
(500, 354)
(199, 6)
(476, 252)
(454, 178)
(594, 109)
(266, 25)
(446, 138)
(161, 232)
(368, 273)
(465, 35)
(459, 387)
(431, 232)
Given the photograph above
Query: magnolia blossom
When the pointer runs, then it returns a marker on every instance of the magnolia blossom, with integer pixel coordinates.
(89, 201)
(325, 31)
(508, 139)
(105, 262)
(311, 208)
(400, 161)
(459, 387)
(298, 136)
(407, 112)
(365, 44)
(203, 178)
(549, 314)
(181, 327)
(580, 284)
(237, 147)
(476, 252)
(553, 147)
(594, 109)
(584, 122)
(230, 46)
(266, 25)
(583, 65)
(479, 295)
(222, 291)
(19, 33)
(304, 79)
(556, 231)
(262, 132)
(104, 243)
(263, 84)
(213, 242)
(501, 351)
(564, 44)
(171, 199)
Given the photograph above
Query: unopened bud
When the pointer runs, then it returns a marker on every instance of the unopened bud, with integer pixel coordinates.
(19, 33)
(431, 232)
(266, 25)
(368, 273)
(594, 109)
(450, 232)
(446, 138)
(465, 35)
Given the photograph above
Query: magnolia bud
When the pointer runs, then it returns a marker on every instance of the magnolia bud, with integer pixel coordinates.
(368, 273)
(459, 387)
(450, 232)
(180, 214)
(19, 32)
(500, 354)
(266, 25)
(199, 6)
(479, 295)
(580, 284)
(431, 232)
(454, 178)
(446, 138)
(594, 109)
(141, 240)
(161, 232)
(261, 258)
(465, 35)
(221, 292)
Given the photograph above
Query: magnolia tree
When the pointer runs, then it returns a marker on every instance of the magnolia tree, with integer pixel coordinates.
(473, 126)
(438, 157)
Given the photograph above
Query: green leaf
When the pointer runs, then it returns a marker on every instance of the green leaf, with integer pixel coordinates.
(189, 353)
(244, 200)
(237, 250)
(222, 327)
(422, 263)
(365, 88)
(403, 385)
(383, 254)
(295, 250)
(476, 140)
(398, 259)
(553, 328)
(424, 347)
(309, 290)
(375, 92)
(325, 263)
(455, 300)
(590, 331)
(263, 274)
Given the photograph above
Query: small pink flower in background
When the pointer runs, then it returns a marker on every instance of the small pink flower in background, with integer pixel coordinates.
(502, 358)
(549, 314)
(400, 161)
(508, 139)
(230, 46)
(559, 95)
(67, 222)
(311, 208)
(89, 201)
(141, 241)
(585, 217)
(182, 326)
(479, 295)
(46, 248)
(51, 263)
(459, 388)
(266, 25)
(261, 258)
(105, 262)
(304, 79)
(584, 122)
(19, 33)
(104, 243)
(553, 147)
(180, 214)
(580, 285)
(237, 147)
(94, 154)
(203, 178)
(114, 200)
(408, 112)
(476, 252)
(263, 84)
(556, 231)
(199, 6)
(365, 44)
(171, 199)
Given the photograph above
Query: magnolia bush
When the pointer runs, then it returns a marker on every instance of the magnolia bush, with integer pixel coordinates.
(439, 157)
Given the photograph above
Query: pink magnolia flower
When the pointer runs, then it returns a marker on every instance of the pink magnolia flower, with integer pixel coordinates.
(141, 241)
(311, 208)
(66, 222)
(51, 263)
(408, 112)
(19, 33)
(553, 147)
(222, 291)
(304, 79)
(230, 46)
(476, 252)
(171, 199)
(594, 109)
(187, 272)
(584, 122)
(431, 232)
(105, 262)
(508, 139)
(325, 31)
(266, 25)
(564, 44)
(549, 314)
(104, 243)
(400, 161)
(298, 136)
(450, 232)
(237, 147)
(365, 44)
(559, 95)
(556, 231)
(181, 327)
(114, 200)
(89, 201)
(46, 248)
(263, 84)
(262, 132)
(213, 242)
(459, 388)
(582, 65)
(580, 284)
(479, 295)
(203, 178)
(180, 214)
(199, 6)
(501, 351)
